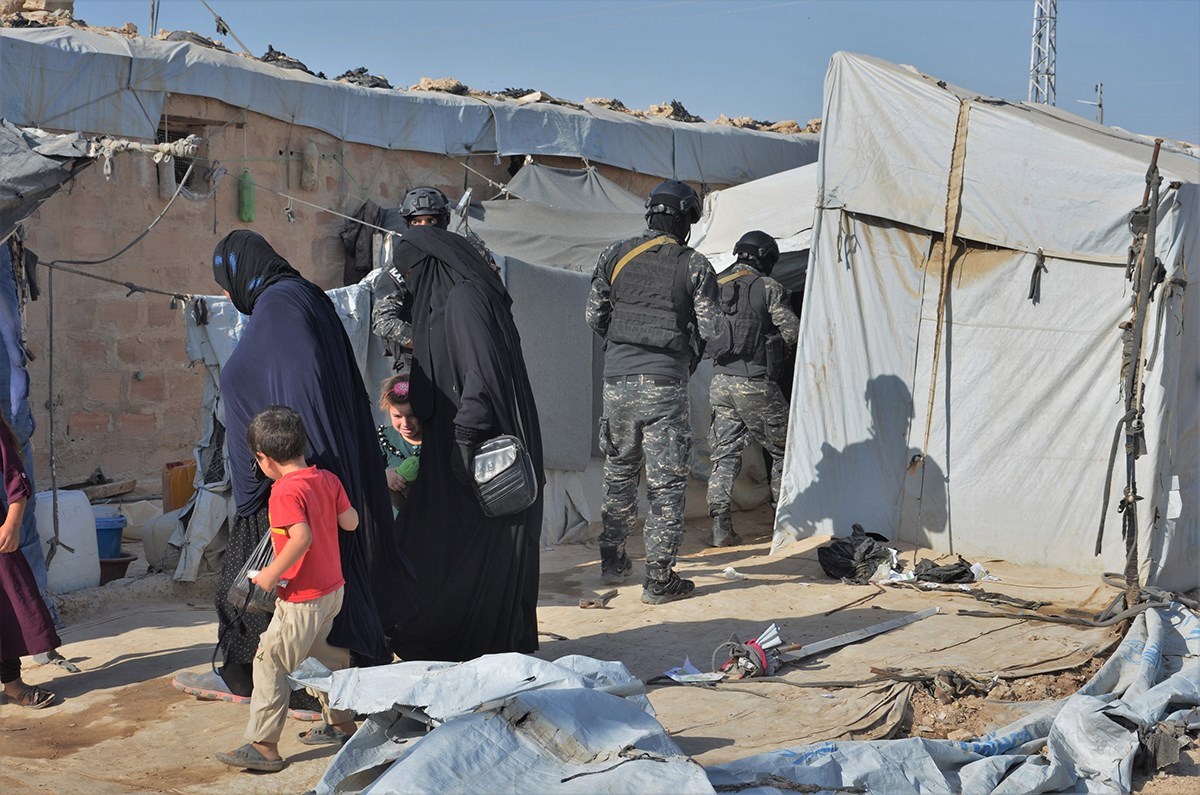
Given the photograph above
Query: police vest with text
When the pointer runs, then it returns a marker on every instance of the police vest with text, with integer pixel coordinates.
(748, 344)
(650, 295)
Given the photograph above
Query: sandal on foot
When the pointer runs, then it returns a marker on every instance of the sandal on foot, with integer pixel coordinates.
(249, 758)
(32, 697)
(324, 735)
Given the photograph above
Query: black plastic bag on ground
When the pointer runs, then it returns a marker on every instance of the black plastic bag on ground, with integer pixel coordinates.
(929, 571)
(856, 558)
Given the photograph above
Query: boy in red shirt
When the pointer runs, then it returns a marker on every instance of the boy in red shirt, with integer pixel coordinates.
(307, 506)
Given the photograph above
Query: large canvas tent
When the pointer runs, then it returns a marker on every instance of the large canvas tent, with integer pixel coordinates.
(967, 399)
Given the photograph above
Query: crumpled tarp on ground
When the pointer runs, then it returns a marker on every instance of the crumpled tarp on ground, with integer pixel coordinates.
(1090, 738)
(502, 723)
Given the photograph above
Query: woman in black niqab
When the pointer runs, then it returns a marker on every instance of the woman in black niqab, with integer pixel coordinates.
(294, 351)
(477, 576)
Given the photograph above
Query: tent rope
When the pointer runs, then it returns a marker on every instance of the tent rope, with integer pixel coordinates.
(953, 212)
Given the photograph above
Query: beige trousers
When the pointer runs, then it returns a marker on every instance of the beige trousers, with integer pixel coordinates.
(298, 630)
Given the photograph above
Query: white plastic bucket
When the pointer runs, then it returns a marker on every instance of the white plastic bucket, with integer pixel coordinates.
(69, 571)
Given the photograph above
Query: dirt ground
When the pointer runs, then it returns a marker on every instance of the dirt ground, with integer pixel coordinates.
(122, 727)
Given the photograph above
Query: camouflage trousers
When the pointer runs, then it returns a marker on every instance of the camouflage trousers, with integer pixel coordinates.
(646, 420)
(743, 409)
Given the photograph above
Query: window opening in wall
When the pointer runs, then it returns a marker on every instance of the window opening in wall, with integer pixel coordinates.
(176, 132)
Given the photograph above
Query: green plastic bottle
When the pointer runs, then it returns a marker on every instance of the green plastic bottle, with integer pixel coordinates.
(245, 197)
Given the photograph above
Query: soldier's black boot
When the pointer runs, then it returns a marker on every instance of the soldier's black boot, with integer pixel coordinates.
(615, 565)
(657, 592)
(723, 534)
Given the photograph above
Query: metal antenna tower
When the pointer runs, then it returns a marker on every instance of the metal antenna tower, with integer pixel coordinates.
(1042, 54)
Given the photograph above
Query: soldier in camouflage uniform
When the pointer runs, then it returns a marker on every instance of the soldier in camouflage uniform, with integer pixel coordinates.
(653, 302)
(758, 330)
(390, 319)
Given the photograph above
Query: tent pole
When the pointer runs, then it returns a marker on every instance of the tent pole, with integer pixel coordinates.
(1135, 430)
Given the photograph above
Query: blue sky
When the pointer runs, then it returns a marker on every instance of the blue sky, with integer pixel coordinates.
(760, 58)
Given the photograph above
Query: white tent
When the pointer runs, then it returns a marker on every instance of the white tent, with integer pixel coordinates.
(782, 205)
(976, 412)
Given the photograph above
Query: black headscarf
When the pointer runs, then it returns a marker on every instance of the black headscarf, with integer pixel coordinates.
(432, 261)
(244, 264)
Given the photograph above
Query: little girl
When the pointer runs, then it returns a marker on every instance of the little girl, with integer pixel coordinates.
(400, 443)
(25, 624)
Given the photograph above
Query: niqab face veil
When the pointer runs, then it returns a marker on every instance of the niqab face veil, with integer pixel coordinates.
(244, 264)
(432, 261)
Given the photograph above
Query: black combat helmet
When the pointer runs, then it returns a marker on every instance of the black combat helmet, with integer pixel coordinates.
(674, 198)
(759, 249)
(426, 201)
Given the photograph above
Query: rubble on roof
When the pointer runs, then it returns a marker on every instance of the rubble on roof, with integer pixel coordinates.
(51, 13)
(36, 14)
(512, 93)
(785, 127)
(446, 85)
(361, 77)
(673, 110)
(191, 37)
(611, 104)
(284, 61)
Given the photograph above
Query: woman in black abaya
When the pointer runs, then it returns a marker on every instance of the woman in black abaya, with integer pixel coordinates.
(477, 576)
(294, 352)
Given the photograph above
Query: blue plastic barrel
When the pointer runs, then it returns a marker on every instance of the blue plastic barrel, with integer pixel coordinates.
(108, 536)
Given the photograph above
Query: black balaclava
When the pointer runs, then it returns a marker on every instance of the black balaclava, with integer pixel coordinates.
(675, 225)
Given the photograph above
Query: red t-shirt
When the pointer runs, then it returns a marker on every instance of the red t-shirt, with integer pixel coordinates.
(315, 497)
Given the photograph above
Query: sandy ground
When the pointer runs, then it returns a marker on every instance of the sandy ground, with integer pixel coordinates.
(122, 727)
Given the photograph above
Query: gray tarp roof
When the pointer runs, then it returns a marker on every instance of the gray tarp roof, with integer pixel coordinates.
(73, 79)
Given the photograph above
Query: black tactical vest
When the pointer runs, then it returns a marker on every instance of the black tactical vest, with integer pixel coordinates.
(651, 302)
(748, 344)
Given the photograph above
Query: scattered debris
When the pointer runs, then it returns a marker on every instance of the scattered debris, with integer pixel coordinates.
(114, 488)
(36, 14)
(97, 478)
(361, 77)
(597, 602)
(979, 712)
(284, 61)
(611, 104)
(949, 573)
(515, 93)
(853, 637)
(856, 560)
(730, 573)
(191, 37)
(673, 110)
(689, 674)
(447, 85)
(754, 658)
